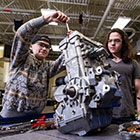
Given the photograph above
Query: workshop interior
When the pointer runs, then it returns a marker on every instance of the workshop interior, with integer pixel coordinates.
(81, 97)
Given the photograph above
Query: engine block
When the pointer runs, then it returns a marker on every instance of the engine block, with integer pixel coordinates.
(90, 91)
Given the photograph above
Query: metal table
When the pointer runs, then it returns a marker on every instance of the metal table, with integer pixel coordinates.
(109, 133)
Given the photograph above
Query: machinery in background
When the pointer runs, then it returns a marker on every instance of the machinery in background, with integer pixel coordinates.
(89, 91)
(1, 96)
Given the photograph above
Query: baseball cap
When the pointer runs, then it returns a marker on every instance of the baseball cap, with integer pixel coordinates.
(41, 37)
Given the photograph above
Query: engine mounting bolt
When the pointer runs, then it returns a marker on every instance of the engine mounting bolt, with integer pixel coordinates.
(73, 112)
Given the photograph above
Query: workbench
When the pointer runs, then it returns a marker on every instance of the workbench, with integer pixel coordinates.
(109, 133)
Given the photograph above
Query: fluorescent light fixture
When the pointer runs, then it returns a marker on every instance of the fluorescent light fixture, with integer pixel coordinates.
(53, 23)
(138, 53)
(1, 50)
(49, 11)
(55, 48)
(121, 22)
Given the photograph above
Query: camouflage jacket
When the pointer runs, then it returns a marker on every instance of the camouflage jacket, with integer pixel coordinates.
(27, 85)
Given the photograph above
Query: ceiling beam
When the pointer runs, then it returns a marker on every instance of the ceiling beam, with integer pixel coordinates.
(8, 10)
(110, 4)
(83, 3)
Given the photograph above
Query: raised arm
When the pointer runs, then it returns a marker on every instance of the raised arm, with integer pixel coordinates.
(27, 31)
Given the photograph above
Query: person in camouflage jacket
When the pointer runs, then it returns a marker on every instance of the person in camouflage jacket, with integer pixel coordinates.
(27, 86)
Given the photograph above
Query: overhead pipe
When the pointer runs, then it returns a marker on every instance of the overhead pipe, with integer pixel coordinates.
(132, 31)
(103, 18)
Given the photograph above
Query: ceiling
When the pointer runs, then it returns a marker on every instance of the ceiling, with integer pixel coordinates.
(93, 18)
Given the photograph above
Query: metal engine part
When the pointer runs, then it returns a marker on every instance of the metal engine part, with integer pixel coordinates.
(130, 130)
(90, 90)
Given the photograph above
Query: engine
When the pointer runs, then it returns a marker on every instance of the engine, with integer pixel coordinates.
(90, 91)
